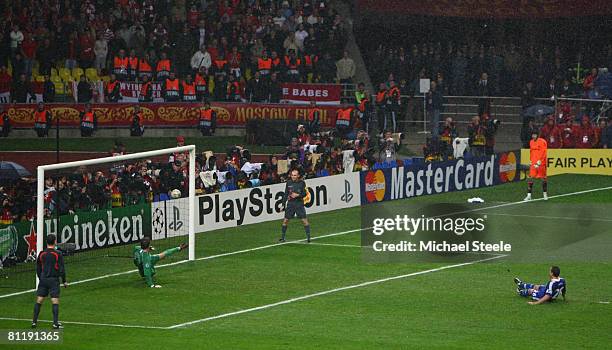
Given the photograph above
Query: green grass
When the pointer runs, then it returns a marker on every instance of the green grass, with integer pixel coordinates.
(132, 144)
(467, 307)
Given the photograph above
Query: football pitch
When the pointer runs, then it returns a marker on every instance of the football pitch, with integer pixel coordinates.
(245, 291)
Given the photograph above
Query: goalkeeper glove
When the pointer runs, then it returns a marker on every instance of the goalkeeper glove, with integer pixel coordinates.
(537, 164)
(183, 246)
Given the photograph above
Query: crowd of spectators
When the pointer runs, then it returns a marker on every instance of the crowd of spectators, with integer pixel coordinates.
(566, 130)
(313, 153)
(474, 69)
(226, 43)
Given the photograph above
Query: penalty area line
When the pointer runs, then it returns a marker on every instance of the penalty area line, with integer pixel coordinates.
(198, 259)
(330, 291)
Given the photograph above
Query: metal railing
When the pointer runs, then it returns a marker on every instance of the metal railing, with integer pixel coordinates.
(595, 109)
(64, 93)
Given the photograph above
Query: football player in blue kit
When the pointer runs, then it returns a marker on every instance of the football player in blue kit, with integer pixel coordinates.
(542, 293)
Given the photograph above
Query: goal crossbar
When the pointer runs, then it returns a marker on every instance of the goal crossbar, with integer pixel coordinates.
(41, 170)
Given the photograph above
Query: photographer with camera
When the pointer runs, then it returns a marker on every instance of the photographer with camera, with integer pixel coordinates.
(137, 127)
(314, 118)
(477, 135)
(388, 146)
(448, 133)
(364, 154)
(434, 149)
(491, 126)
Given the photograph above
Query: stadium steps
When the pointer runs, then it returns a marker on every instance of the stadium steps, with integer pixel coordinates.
(361, 72)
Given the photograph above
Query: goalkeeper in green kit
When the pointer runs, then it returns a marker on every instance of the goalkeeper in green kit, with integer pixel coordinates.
(145, 261)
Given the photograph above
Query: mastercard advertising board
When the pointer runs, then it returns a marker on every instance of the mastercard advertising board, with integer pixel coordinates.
(439, 177)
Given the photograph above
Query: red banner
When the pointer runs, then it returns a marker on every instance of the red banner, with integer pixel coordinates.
(292, 92)
(489, 8)
(170, 114)
(304, 93)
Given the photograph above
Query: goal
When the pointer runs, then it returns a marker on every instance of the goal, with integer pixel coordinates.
(101, 208)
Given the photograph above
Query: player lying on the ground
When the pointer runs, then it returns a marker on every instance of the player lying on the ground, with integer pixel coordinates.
(543, 292)
(145, 261)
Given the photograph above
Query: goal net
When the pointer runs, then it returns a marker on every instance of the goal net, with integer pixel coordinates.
(100, 209)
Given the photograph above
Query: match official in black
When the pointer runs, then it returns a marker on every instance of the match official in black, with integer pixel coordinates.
(295, 192)
(49, 268)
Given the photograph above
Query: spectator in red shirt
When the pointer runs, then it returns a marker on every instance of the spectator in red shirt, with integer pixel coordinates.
(86, 53)
(193, 16)
(585, 134)
(589, 82)
(551, 133)
(564, 111)
(213, 50)
(28, 47)
(5, 79)
(569, 133)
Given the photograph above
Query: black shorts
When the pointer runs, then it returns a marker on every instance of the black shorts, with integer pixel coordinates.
(295, 210)
(48, 287)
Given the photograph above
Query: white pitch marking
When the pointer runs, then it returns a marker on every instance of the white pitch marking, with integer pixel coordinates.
(318, 237)
(551, 217)
(330, 291)
(202, 258)
(85, 323)
(531, 201)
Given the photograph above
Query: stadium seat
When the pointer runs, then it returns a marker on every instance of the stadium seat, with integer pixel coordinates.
(38, 78)
(54, 72)
(211, 85)
(59, 87)
(76, 73)
(65, 74)
(92, 74)
(105, 78)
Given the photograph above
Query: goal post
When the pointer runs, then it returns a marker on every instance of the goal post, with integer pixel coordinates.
(45, 170)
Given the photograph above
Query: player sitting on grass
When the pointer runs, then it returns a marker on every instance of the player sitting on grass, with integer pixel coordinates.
(145, 261)
(545, 292)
